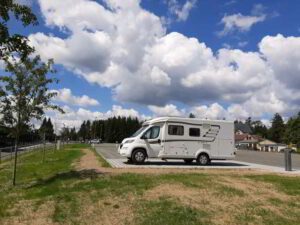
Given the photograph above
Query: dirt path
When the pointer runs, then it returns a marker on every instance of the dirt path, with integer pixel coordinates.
(89, 162)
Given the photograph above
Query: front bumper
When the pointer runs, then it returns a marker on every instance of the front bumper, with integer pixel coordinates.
(124, 151)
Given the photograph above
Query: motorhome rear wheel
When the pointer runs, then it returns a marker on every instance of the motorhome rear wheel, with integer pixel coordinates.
(203, 159)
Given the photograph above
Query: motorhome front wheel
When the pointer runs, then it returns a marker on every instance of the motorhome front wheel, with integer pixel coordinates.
(138, 156)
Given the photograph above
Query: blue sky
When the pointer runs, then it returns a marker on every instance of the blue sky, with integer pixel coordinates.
(171, 57)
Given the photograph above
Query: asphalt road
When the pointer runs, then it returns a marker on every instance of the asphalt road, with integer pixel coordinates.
(267, 158)
(109, 151)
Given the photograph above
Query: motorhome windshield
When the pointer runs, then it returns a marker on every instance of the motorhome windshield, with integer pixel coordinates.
(139, 131)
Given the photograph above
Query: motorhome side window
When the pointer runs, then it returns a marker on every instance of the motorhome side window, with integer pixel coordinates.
(152, 133)
(175, 130)
(194, 132)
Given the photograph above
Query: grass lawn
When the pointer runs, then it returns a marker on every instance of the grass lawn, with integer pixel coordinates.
(57, 192)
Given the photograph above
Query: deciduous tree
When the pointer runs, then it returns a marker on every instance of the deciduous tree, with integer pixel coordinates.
(14, 43)
(25, 95)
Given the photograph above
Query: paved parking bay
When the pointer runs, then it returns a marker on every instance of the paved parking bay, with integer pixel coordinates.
(244, 159)
(267, 158)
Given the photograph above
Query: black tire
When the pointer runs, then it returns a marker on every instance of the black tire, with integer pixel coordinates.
(188, 161)
(203, 159)
(138, 156)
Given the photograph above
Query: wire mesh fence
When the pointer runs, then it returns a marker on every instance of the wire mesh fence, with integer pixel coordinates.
(8, 153)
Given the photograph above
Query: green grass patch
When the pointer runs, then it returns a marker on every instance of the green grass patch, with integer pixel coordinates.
(289, 185)
(31, 168)
(168, 212)
(32, 171)
(76, 146)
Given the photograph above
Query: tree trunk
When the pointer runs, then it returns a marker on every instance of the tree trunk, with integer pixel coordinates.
(16, 160)
(16, 145)
(44, 147)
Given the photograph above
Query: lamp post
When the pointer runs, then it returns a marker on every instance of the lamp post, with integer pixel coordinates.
(94, 128)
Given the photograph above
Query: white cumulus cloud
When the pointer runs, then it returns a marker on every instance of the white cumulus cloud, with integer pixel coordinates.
(242, 23)
(120, 45)
(74, 118)
(167, 110)
(181, 11)
(65, 95)
(239, 22)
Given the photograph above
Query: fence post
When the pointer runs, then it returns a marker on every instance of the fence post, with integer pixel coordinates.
(58, 145)
(44, 147)
(11, 151)
(0, 155)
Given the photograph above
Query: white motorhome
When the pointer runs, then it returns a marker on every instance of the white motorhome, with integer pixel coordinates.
(181, 138)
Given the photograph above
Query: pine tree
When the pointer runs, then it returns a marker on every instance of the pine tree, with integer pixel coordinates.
(259, 128)
(88, 130)
(292, 131)
(50, 136)
(73, 134)
(82, 131)
(277, 130)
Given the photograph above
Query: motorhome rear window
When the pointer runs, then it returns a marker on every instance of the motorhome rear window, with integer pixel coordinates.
(194, 132)
(175, 130)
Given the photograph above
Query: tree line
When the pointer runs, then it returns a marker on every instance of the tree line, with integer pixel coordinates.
(279, 131)
(111, 130)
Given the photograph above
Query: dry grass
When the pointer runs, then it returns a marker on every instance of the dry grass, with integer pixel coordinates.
(116, 196)
(26, 213)
(224, 206)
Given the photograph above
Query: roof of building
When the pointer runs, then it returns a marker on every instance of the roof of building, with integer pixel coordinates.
(245, 128)
(243, 138)
(268, 142)
(250, 141)
(240, 137)
(257, 137)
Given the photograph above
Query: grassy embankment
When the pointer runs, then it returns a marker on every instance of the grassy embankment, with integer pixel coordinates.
(54, 192)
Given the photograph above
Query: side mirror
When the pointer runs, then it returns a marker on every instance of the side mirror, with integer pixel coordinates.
(143, 137)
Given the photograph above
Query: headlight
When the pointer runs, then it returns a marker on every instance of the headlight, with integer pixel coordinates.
(128, 141)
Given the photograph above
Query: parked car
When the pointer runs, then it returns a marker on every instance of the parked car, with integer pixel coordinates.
(95, 141)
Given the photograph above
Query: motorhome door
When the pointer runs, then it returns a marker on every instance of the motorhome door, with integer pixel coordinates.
(152, 138)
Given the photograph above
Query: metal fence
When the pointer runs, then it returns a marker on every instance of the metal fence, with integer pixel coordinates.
(7, 153)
